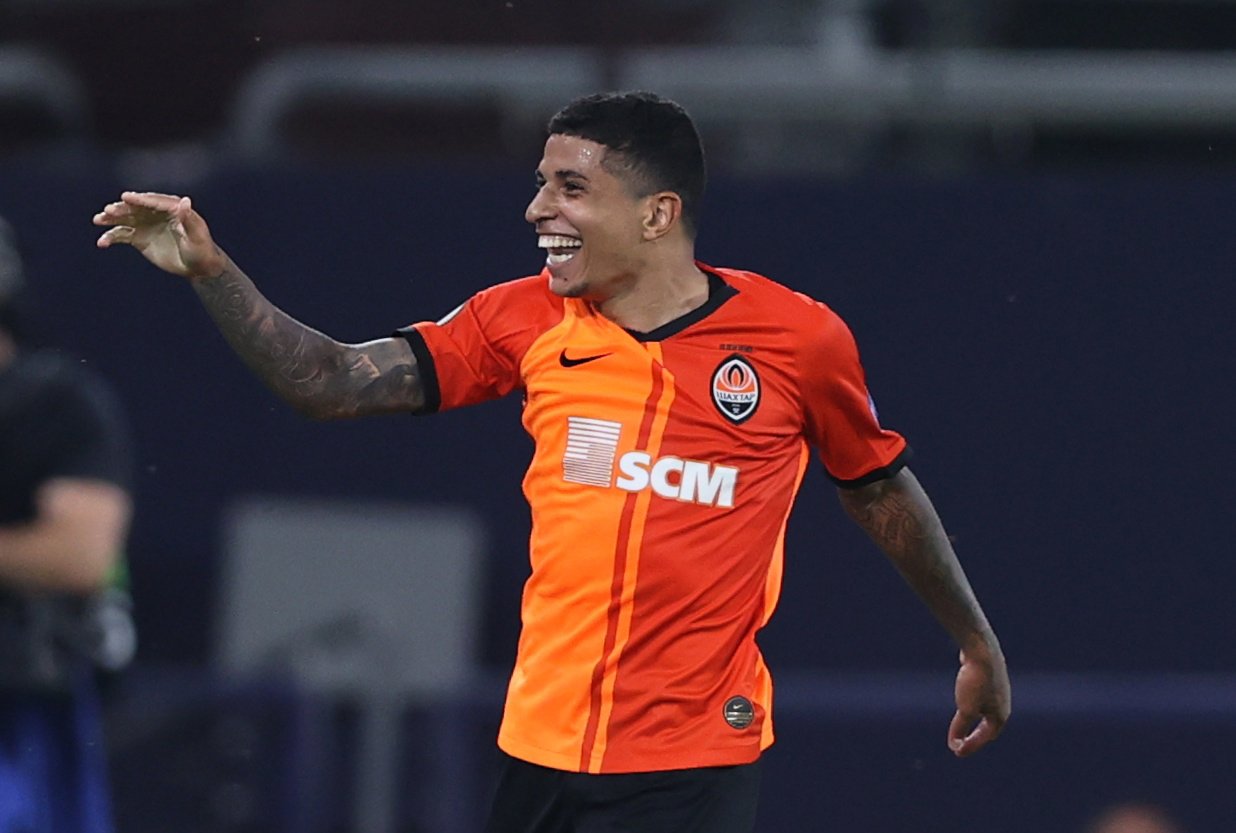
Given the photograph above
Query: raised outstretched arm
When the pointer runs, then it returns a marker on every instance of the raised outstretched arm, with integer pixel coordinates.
(319, 376)
(316, 374)
(900, 518)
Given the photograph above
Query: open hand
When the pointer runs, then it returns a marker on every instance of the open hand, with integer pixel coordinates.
(166, 230)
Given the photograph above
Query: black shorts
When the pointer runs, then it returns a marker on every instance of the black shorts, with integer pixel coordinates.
(535, 799)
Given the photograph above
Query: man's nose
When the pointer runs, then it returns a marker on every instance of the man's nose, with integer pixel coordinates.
(540, 208)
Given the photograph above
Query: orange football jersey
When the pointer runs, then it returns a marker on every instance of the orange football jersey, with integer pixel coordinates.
(664, 469)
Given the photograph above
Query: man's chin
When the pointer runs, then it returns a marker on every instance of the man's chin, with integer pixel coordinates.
(566, 287)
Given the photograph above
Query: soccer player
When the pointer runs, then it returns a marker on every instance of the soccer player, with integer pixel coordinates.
(674, 408)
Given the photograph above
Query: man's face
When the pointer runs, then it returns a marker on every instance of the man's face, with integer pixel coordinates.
(587, 219)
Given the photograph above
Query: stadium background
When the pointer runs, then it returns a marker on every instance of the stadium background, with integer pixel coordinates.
(1023, 208)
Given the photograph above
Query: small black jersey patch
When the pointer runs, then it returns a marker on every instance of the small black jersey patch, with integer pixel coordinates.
(739, 712)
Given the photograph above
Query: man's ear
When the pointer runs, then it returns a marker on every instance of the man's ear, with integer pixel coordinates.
(663, 214)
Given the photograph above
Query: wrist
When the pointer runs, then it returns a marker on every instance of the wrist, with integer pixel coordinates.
(982, 646)
(211, 267)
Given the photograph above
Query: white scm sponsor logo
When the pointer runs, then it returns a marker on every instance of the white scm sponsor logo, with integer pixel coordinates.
(678, 479)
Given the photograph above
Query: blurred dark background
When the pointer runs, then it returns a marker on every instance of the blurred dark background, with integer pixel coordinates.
(1022, 208)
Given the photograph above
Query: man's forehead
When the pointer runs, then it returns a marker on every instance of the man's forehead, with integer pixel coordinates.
(571, 153)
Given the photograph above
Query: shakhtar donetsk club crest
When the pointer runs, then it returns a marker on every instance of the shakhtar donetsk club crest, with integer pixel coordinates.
(736, 389)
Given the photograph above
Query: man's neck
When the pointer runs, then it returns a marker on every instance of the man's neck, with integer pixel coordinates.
(657, 297)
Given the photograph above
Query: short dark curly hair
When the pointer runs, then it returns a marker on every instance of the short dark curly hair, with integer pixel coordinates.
(652, 138)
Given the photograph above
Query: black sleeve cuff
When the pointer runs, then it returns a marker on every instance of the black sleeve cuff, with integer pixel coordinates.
(425, 365)
(882, 473)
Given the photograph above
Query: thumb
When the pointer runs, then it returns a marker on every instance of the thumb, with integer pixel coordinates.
(192, 226)
(197, 249)
(189, 229)
(180, 214)
(957, 730)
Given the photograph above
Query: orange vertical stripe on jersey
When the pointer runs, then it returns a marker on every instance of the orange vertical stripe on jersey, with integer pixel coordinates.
(635, 541)
(630, 532)
(772, 593)
(772, 588)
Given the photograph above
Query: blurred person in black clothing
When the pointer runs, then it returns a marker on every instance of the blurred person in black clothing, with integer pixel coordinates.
(65, 470)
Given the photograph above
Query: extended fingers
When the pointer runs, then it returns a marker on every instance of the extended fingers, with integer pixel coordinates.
(137, 207)
(114, 213)
(116, 234)
(153, 201)
(121, 213)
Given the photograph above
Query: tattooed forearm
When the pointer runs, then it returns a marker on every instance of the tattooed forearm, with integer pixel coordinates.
(899, 517)
(316, 374)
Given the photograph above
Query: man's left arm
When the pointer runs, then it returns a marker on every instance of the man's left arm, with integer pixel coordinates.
(897, 514)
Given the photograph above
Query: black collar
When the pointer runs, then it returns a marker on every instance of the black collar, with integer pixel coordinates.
(718, 293)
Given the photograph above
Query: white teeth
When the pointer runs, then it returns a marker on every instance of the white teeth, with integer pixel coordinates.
(560, 247)
(558, 241)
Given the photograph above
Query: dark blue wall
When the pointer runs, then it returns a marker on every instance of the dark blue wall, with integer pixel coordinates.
(1057, 351)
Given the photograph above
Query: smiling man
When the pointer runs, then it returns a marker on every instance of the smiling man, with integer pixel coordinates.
(674, 408)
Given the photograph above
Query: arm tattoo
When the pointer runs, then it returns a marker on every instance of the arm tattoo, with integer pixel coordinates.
(319, 376)
(897, 514)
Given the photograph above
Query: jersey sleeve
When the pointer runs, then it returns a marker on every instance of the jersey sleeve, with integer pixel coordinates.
(841, 418)
(474, 353)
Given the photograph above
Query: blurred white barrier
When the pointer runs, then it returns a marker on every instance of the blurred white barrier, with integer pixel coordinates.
(376, 602)
(759, 106)
(525, 84)
(956, 87)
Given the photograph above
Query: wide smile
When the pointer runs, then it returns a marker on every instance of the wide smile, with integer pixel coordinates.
(559, 248)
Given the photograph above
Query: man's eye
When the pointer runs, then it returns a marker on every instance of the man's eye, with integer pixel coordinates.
(572, 187)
